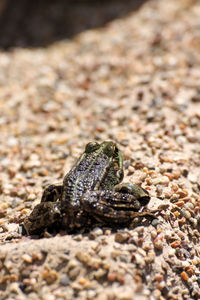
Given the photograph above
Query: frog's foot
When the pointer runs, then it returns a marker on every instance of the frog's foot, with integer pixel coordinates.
(138, 192)
(82, 219)
(52, 193)
(44, 215)
(109, 206)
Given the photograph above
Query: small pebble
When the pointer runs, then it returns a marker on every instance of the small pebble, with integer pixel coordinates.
(138, 279)
(95, 233)
(99, 274)
(49, 276)
(112, 276)
(184, 276)
(27, 258)
(156, 294)
(175, 244)
(155, 222)
(83, 257)
(158, 278)
(158, 245)
(189, 205)
(189, 270)
(31, 197)
(186, 213)
(74, 273)
(141, 252)
(64, 280)
(121, 237)
(154, 234)
(82, 281)
(160, 285)
(151, 256)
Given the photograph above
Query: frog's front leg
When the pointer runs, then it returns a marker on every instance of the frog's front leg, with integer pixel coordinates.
(52, 193)
(138, 192)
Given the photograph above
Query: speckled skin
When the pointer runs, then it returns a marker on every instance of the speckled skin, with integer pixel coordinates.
(90, 194)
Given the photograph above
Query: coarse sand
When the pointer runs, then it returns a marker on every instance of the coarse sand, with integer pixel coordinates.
(136, 81)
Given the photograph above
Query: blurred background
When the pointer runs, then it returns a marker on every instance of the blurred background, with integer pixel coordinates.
(38, 23)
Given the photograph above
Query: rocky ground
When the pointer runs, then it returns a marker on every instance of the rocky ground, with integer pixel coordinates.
(134, 81)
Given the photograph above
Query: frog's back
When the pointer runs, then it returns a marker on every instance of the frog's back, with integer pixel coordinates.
(85, 175)
(99, 167)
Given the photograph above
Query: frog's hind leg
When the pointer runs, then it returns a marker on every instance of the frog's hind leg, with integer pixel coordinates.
(52, 193)
(44, 215)
(112, 207)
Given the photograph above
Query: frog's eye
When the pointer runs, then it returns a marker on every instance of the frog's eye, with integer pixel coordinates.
(91, 147)
(110, 149)
(116, 150)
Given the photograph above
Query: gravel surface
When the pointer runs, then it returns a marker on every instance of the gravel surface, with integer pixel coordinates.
(135, 81)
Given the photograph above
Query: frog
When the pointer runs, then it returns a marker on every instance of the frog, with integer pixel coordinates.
(91, 193)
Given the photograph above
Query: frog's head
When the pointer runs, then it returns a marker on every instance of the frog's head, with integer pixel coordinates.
(113, 156)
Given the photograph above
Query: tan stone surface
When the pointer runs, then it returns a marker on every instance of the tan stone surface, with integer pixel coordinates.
(134, 81)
